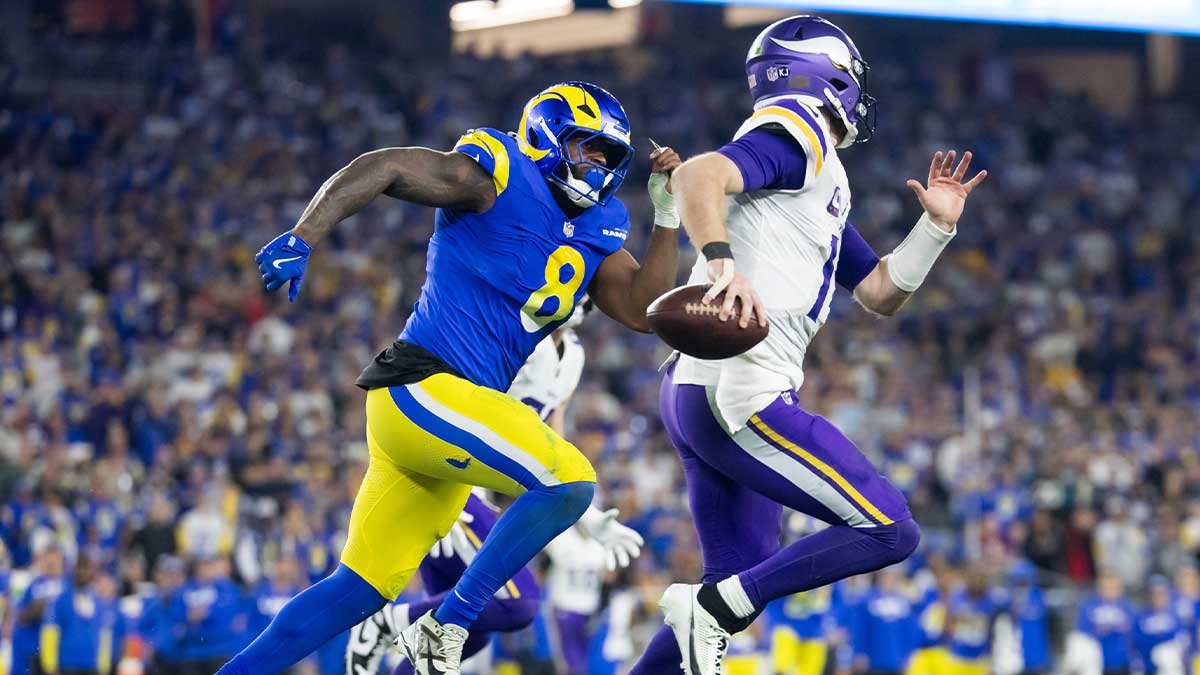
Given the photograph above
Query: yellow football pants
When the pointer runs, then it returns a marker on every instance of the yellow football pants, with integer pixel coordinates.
(929, 661)
(793, 656)
(429, 443)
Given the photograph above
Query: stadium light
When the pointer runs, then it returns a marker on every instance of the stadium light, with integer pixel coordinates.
(479, 14)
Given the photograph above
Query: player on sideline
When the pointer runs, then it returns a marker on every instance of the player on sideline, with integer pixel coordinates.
(545, 383)
(526, 224)
(747, 449)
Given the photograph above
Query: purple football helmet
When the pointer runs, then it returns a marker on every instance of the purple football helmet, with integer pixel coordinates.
(809, 56)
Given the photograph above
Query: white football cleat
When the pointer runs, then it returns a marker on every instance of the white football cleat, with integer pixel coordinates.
(701, 639)
(371, 638)
(433, 648)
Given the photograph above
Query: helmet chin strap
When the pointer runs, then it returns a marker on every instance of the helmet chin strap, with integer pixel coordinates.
(584, 193)
(579, 193)
(851, 130)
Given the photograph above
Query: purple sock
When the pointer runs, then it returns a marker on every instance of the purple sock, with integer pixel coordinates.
(499, 614)
(661, 657)
(822, 558)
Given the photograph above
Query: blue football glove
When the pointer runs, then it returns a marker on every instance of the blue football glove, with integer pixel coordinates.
(283, 260)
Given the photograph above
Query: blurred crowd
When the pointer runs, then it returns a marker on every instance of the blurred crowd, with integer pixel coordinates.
(181, 450)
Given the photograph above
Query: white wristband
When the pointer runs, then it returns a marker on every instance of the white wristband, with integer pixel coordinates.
(667, 219)
(910, 263)
(665, 214)
(591, 519)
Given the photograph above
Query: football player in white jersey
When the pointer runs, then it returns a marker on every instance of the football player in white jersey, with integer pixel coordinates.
(574, 583)
(775, 200)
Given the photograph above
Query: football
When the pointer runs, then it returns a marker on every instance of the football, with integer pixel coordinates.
(687, 324)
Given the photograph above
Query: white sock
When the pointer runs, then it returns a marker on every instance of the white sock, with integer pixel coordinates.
(735, 597)
(397, 616)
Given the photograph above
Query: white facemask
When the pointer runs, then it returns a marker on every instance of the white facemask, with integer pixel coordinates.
(586, 196)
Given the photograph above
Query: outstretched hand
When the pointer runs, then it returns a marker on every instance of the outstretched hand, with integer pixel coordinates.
(621, 543)
(945, 194)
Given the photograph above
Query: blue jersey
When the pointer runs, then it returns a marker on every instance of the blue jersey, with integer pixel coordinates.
(1028, 611)
(806, 613)
(103, 521)
(161, 628)
(931, 619)
(26, 636)
(215, 619)
(1151, 629)
(886, 630)
(498, 282)
(1109, 622)
(970, 637)
(89, 627)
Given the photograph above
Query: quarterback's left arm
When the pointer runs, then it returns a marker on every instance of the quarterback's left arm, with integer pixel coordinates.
(888, 286)
(622, 288)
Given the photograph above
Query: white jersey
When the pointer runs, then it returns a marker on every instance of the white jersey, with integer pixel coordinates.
(576, 572)
(548, 378)
(786, 243)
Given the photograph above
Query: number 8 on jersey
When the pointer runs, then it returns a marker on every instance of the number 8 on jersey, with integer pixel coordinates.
(564, 291)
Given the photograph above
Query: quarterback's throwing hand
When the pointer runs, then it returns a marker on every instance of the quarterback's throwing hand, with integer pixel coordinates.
(725, 278)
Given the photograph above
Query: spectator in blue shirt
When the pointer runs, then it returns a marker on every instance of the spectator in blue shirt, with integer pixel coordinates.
(1108, 618)
(273, 593)
(82, 632)
(1028, 610)
(930, 654)
(971, 612)
(214, 614)
(1186, 602)
(1157, 625)
(885, 633)
(157, 624)
(100, 519)
(43, 590)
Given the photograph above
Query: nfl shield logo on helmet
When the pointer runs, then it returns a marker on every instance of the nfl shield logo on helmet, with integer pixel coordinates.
(568, 228)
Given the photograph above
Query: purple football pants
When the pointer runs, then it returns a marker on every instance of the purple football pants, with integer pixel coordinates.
(739, 483)
(573, 640)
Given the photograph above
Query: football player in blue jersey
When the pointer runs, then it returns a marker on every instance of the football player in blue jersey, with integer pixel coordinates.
(526, 224)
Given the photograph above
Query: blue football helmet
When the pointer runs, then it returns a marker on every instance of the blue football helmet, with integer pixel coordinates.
(555, 119)
(809, 56)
